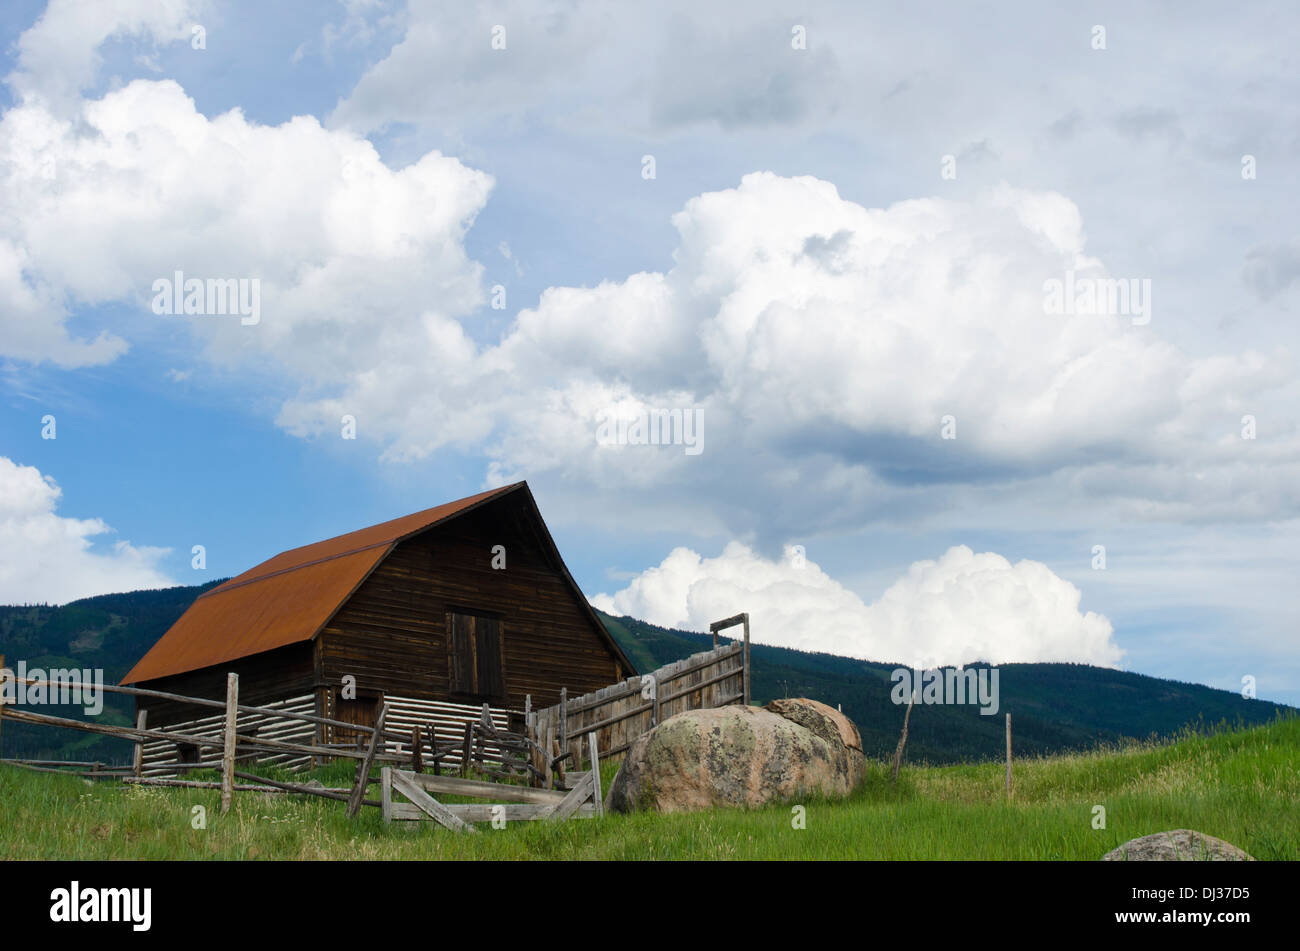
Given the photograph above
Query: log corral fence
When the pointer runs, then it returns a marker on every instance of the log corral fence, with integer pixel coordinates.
(617, 715)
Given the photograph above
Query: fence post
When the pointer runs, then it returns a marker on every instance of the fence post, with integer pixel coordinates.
(363, 766)
(137, 761)
(902, 739)
(1008, 757)
(417, 760)
(2, 704)
(228, 743)
(564, 717)
(386, 791)
(596, 794)
(746, 617)
(549, 746)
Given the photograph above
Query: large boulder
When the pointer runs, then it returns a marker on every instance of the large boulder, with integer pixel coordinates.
(1180, 845)
(731, 756)
(827, 722)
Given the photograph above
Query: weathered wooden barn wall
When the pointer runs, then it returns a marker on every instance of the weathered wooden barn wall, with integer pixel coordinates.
(392, 634)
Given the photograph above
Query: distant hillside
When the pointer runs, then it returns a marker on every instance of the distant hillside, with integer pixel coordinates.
(111, 631)
(1055, 707)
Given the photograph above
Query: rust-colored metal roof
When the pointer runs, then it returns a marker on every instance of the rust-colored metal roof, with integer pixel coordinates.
(286, 599)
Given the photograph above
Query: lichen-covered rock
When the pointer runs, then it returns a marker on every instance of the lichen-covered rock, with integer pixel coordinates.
(731, 756)
(1180, 845)
(826, 722)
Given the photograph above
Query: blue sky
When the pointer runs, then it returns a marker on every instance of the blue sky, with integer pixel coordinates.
(852, 222)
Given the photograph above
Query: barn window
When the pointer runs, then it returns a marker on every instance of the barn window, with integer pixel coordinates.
(474, 655)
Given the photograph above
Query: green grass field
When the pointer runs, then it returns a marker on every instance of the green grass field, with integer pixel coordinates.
(1242, 786)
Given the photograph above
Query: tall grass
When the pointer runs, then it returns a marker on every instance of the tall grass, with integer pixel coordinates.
(1240, 785)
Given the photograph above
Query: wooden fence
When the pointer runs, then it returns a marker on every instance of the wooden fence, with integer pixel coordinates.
(605, 722)
(620, 713)
(220, 747)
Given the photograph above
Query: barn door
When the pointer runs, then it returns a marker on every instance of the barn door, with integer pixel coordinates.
(474, 659)
(363, 711)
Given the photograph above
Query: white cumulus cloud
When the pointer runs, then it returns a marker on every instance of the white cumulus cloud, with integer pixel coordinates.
(359, 265)
(45, 556)
(957, 609)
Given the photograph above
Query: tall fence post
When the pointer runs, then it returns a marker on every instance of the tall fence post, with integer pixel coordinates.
(228, 743)
(2, 703)
(902, 738)
(386, 792)
(746, 678)
(137, 760)
(1008, 757)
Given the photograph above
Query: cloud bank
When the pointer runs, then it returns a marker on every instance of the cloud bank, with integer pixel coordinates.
(957, 609)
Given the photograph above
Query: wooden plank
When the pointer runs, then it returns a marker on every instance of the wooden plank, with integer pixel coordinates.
(728, 622)
(196, 784)
(122, 773)
(579, 795)
(404, 783)
(595, 774)
(495, 792)
(550, 745)
(564, 717)
(482, 812)
(325, 792)
(363, 767)
(228, 743)
(486, 812)
(557, 764)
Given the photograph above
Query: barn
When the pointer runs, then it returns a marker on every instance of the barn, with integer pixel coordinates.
(432, 615)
